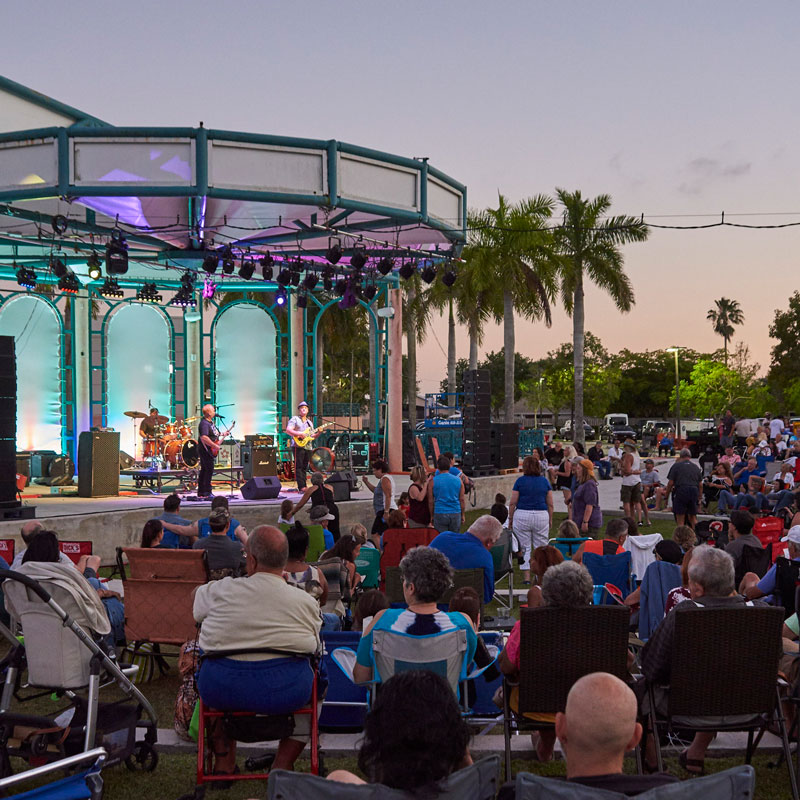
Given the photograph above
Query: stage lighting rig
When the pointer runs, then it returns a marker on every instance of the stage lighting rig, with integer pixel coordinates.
(228, 263)
(334, 251)
(349, 299)
(210, 263)
(110, 288)
(341, 286)
(247, 269)
(209, 289)
(58, 266)
(94, 266)
(281, 297)
(117, 254)
(385, 265)
(310, 281)
(369, 292)
(148, 294)
(302, 299)
(428, 273)
(284, 277)
(359, 258)
(449, 277)
(407, 269)
(69, 284)
(26, 278)
(266, 261)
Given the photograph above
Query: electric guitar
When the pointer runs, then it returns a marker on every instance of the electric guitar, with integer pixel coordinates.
(215, 446)
(310, 435)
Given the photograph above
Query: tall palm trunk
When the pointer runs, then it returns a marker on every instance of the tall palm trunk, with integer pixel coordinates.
(374, 373)
(577, 347)
(451, 351)
(508, 345)
(411, 360)
(725, 340)
(473, 343)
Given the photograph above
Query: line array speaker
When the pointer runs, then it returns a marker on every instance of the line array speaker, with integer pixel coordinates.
(8, 423)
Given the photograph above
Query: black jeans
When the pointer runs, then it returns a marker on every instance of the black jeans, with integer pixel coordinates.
(206, 470)
(301, 458)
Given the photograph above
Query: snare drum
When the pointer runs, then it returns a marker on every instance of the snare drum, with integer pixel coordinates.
(170, 432)
(185, 431)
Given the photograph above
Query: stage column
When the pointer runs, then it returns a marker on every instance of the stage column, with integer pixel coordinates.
(194, 369)
(296, 360)
(82, 373)
(394, 398)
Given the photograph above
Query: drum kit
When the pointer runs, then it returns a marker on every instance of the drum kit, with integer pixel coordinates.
(171, 444)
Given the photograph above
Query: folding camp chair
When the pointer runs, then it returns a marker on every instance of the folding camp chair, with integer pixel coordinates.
(7, 548)
(659, 578)
(398, 541)
(461, 578)
(503, 567)
(568, 546)
(368, 566)
(768, 530)
(753, 559)
(87, 783)
(74, 550)
(615, 570)
(345, 703)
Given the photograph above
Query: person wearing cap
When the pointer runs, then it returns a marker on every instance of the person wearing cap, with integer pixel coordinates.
(225, 556)
(320, 515)
(753, 587)
(585, 506)
(301, 425)
(685, 483)
(631, 489)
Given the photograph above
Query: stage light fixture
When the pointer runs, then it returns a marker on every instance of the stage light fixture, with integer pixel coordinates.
(334, 251)
(284, 277)
(281, 297)
(428, 273)
(209, 289)
(26, 278)
(385, 265)
(228, 263)
(210, 263)
(117, 254)
(266, 260)
(110, 288)
(407, 269)
(58, 266)
(294, 276)
(369, 292)
(184, 297)
(247, 269)
(310, 281)
(341, 286)
(59, 223)
(302, 299)
(148, 294)
(359, 258)
(449, 277)
(95, 266)
(349, 299)
(266, 273)
(69, 284)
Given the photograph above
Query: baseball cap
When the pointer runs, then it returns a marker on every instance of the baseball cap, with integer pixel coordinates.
(649, 461)
(320, 512)
(669, 551)
(302, 403)
(218, 515)
(793, 535)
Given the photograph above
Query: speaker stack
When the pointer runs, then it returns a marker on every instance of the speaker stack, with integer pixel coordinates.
(476, 418)
(10, 507)
(98, 464)
(504, 445)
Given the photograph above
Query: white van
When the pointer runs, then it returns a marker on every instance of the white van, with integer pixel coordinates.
(615, 419)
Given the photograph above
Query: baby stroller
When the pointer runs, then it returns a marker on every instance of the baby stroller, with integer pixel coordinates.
(61, 657)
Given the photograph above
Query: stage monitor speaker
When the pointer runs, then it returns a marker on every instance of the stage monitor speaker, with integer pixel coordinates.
(98, 464)
(126, 461)
(258, 462)
(266, 487)
(342, 484)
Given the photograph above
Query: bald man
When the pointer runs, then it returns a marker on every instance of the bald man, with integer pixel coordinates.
(208, 437)
(260, 611)
(28, 531)
(596, 729)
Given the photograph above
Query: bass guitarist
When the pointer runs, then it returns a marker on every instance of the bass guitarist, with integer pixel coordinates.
(300, 425)
(208, 439)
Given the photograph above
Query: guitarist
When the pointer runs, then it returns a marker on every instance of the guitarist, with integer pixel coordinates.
(300, 425)
(208, 436)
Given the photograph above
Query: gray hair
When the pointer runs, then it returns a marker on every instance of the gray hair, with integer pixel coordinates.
(317, 478)
(486, 528)
(567, 585)
(713, 570)
(430, 572)
(686, 453)
(269, 547)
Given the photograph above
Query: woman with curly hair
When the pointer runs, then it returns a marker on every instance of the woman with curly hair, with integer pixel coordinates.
(412, 752)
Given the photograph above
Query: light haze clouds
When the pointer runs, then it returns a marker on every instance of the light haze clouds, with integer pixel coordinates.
(674, 109)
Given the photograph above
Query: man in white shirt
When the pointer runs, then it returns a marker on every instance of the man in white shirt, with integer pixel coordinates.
(742, 429)
(260, 611)
(780, 445)
(775, 427)
(615, 456)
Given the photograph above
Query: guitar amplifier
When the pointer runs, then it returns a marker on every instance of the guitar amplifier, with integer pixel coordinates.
(258, 462)
(260, 439)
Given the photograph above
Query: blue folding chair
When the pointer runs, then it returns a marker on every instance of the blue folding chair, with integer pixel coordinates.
(567, 545)
(659, 578)
(615, 570)
(345, 704)
(87, 784)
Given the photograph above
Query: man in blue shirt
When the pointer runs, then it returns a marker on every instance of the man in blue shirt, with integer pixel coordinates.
(447, 499)
(470, 550)
(202, 528)
(172, 505)
(747, 490)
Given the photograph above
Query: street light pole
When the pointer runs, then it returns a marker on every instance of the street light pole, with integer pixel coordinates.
(676, 350)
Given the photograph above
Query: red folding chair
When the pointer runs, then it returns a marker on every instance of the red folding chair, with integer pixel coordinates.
(398, 541)
(769, 531)
(74, 550)
(7, 547)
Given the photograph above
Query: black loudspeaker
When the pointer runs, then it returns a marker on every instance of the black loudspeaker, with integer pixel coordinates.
(476, 416)
(258, 462)
(261, 488)
(8, 424)
(504, 443)
(98, 464)
(342, 484)
(126, 461)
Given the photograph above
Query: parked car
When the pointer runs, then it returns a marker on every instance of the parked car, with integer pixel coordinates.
(617, 430)
(566, 430)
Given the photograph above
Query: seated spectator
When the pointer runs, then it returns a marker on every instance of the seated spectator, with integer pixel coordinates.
(320, 495)
(753, 587)
(779, 446)
(651, 483)
(680, 593)
(201, 528)
(426, 575)
(319, 515)
(684, 537)
(28, 531)
(396, 519)
(369, 604)
(170, 515)
(470, 550)
(287, 620)
(419, 511)
(711, 584)
(609, 545)
(565, 585)
(666, 550)
(721, 478)
(666, 445)
(615, 456)
(781, 495)
(601, 462)
(568, 530)
(309, 578)
(749, 494)
(360, 532)
(596, 729)
(740, 535)
(346, 549)
(153, 535)
(500, 510)
(286, 517)
(412, 752)
(743, 472)
(99, 610)
(730, 457)
(633, 530)
(225, 556)
(543, 558)
(708, 460)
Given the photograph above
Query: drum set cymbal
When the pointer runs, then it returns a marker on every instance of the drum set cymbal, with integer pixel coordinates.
(135, 414)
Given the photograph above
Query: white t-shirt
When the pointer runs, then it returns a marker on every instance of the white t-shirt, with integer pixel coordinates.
(632, 480)
(614, 452)
(781, 446)
(787, 479)
(775, 427)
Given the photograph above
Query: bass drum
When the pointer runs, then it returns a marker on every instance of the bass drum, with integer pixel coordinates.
(182, 451)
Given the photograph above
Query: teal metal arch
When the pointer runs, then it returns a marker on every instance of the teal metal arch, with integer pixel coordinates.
(65, 368)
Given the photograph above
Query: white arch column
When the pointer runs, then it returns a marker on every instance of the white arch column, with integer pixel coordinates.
(296, 356)
(81, 348)
(394, 394)
(194, 369)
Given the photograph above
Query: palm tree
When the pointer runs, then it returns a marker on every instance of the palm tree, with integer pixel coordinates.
(724, 316)
(588, 246)
(416, 318)
(509, 251)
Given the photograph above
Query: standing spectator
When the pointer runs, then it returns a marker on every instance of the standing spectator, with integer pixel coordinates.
(320, 495)
(776, 426)
(601, 462)
(726, 429)
(631, 489)
(554, 453)
(447, 500)
(419, 510)
(564, 472)
(382, 496)
(530, 512)
(741, 430)
(684, 484)
(585, 510)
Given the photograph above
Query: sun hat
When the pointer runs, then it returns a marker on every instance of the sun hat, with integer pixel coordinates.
(793, 536)
(588, 466)
(318, 513)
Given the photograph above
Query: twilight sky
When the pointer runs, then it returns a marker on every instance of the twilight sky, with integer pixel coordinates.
(678, 111)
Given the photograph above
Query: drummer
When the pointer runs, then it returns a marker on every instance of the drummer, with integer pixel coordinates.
(149, 425)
